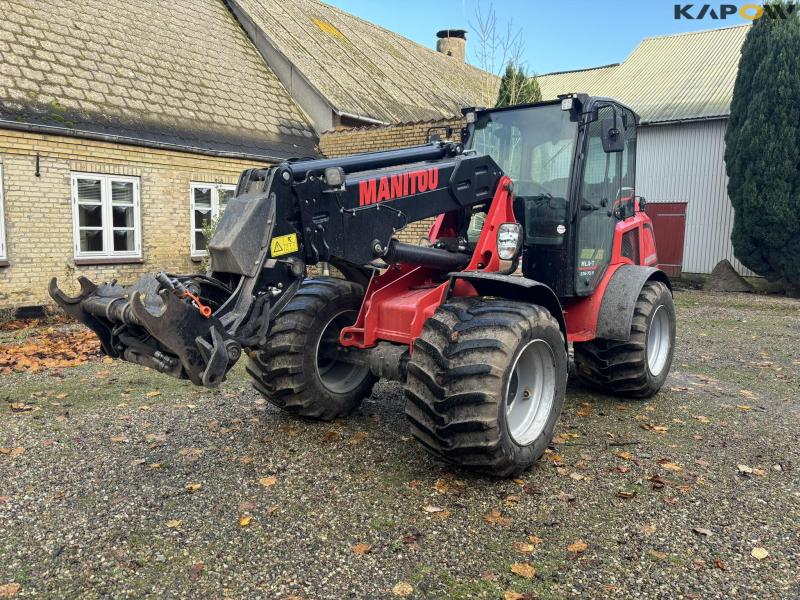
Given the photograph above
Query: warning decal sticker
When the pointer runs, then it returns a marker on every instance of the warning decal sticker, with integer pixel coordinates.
(283, 244)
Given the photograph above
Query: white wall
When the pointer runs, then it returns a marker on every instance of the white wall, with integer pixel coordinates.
(685, 163)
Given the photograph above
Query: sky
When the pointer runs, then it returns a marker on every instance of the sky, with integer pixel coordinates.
(558, 35)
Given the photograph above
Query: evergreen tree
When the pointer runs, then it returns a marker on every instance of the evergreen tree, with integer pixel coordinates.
(517, 88)
(762, 154)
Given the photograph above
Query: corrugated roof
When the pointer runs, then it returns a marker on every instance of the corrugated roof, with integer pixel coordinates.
(666, 78)
(364, 70)
(179, 72)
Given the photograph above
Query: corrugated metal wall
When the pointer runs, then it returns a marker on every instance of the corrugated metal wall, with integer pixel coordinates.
(685, 163)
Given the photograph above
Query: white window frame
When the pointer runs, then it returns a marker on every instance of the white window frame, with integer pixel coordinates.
(108, 223)
(3, 249)
(215, 188)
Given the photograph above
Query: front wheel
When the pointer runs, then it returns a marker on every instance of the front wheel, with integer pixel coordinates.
(486, 384)
(302, 368)
(638, 367)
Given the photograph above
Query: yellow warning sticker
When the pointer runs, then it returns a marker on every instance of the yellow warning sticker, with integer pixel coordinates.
(283, 244)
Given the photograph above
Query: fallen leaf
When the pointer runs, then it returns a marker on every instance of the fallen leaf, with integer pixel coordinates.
(670, 466)
(648, 529)
(173, 523)
(441, 486)
(744, 407)
(494, 517)
(153, 394)
(577, 476)
(626, 494)
(268, 481)
(656, 554)
(524, 547)
(402, 589)
(623, 455)
(566, 497)
(196, 570)
(656, 428)
(358, 438)
(759, 553)
(190, 454)
(244, 520)
(578, 546)
(584, 410)
(744, 469)
(193, 487)
(119, 439)
(330, 436)
(108, 360)
(432, 509)
(361, 548)
(246, 460)
(720, 565)
(702, 418)
(512, 595)
(760, 472)
(702, 531)
(534, 539)
(525, 570)
(9, 590)
(20, 407)
(155, 465)
(102, 374)
(748, 394)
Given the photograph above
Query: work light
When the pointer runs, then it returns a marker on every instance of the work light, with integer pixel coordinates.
(509, 240)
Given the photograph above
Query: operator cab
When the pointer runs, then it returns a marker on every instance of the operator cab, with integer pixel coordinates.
(572, 161)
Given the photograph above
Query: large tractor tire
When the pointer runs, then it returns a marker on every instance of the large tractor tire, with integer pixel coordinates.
(486, 384)
(302, 368)
(636, 368)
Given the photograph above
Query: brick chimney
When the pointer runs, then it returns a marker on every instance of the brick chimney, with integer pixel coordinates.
(452, 42)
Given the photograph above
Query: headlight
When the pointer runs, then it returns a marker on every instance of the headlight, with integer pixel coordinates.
(509, 240)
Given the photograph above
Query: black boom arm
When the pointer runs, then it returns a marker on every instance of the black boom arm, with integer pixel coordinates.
(345, 211)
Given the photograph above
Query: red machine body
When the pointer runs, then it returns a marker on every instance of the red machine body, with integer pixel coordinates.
(399, 301)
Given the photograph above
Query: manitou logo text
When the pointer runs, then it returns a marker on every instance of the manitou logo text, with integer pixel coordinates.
(751, 12)
(381, 189)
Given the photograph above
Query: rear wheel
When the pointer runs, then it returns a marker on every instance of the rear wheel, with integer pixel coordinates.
(638, 367)
(302, 368)
(486, 384)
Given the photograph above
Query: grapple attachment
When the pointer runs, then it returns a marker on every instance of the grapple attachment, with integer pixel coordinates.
(156, 325)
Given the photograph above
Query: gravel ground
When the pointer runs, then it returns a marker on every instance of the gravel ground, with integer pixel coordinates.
(135, 485)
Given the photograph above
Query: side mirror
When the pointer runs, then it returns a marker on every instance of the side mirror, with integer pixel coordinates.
(613, 134)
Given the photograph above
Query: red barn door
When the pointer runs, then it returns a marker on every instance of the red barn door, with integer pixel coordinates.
(669, 225)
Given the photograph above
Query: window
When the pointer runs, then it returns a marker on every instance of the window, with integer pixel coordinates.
(105, 217)
(3, 252)
(208, 202)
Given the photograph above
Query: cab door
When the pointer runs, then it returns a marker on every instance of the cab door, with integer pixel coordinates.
(607, 179)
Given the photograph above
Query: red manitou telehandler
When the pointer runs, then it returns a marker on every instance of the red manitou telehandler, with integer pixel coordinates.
(539, 241)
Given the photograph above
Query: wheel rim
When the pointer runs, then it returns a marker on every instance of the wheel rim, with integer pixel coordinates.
(337, 369)
(658, 341)
(530, 392)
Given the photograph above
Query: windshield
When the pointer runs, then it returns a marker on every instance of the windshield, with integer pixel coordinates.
(534, 146)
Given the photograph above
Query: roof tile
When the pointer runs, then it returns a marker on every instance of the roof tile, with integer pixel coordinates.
(364, 70)
(147, 69)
